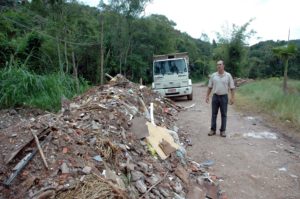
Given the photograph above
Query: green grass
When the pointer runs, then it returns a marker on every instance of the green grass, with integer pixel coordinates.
(267, 95)
(198, 79)
(20, 87)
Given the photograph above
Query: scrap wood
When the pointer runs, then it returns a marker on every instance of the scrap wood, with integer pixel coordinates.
(156, 135)
(181, 173)
(172, 104)
(145, 108)
(166, 147)
(40, 149)
(107, 75)
(10, 157)
(154, 185)
(21, 165)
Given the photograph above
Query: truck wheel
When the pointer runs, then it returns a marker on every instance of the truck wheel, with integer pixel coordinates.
(190, 97)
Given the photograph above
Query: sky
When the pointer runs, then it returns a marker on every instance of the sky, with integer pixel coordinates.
(272, 18)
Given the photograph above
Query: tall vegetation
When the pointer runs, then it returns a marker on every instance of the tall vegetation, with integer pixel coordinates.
(71, 40)
(267, 96)
(66, 36)
(233, 48)
(20, 87)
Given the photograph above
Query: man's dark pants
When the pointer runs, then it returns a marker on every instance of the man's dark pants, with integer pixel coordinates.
(219, 101)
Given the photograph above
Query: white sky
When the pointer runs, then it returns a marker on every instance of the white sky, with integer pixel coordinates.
(273, 18)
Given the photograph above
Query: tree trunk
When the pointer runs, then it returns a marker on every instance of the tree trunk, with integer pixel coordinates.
(120, 64)
(66, 59)
(75, 73)
(101, 51)
(58, 53)
(285, 77)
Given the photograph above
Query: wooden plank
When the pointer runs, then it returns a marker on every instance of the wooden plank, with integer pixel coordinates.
(156, 135)
(11, 156)
(40, 149)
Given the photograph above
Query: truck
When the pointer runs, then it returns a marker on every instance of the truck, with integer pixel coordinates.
(171, 75)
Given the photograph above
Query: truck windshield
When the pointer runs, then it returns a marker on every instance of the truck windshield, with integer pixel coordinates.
(169, 67)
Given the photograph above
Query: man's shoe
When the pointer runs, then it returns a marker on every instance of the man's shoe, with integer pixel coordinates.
(212, 133)
(223, 134)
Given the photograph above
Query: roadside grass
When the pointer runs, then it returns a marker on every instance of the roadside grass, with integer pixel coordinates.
(20, 87)
(196, 80)
(267, 96)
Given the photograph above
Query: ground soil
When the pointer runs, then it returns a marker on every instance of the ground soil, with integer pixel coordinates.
(248, 167)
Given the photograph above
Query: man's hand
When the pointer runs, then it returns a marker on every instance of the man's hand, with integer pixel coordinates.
(207, 95)
(231, 101)
(207, 100)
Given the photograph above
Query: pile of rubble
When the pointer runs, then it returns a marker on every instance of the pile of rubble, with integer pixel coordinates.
(106, 143)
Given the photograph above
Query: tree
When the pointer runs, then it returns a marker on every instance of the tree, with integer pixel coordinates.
(233, 47)
(7, 3)
(285, 53)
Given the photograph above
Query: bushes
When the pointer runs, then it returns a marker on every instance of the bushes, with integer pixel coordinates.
(18, 87)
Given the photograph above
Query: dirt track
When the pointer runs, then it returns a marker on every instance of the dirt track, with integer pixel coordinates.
(250, 167)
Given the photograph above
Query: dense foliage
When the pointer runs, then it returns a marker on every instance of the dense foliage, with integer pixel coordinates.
(20, 87)
(68, 37)
(263, 62)
(50, 36)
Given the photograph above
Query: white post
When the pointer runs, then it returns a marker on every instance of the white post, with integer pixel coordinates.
(151, 113)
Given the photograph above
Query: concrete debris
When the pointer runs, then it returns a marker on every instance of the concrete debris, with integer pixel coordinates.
(153, 179)
(64, 168)
(177, 196)
(181, 173)
(137, 175)
(87, 170)
(139, 128)
(177, 186)
(97, 158)
(141, 186)
(195, 192)
(99, 146)
(212, 190)
(164, 192)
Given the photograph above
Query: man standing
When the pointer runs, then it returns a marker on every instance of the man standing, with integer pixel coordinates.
(219, 83)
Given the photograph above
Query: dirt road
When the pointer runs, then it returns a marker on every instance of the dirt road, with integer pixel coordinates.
(251, 167)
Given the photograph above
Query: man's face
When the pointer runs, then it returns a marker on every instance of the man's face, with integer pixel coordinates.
(220, 66)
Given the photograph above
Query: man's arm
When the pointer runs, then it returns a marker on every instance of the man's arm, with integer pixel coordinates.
(207, 94)
(232, 87)
(232, 96)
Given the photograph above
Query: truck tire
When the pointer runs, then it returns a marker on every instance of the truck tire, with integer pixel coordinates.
(190, 97)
